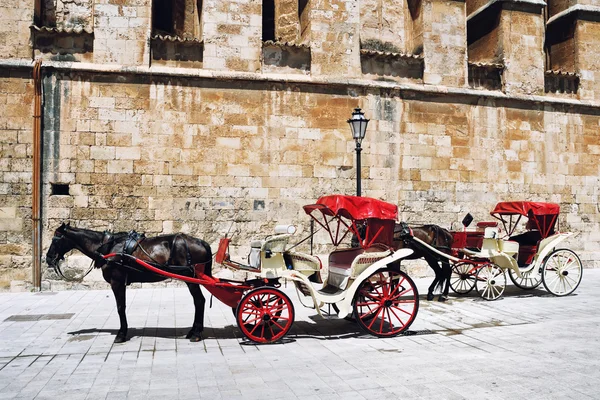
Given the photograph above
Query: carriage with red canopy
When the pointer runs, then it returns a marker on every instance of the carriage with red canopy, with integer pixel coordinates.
(365, 281)
(531, 257)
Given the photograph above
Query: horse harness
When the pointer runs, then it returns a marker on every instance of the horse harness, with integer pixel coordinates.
(405, 233)
(133, 242)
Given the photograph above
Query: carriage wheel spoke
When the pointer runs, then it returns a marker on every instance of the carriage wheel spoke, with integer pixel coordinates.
(276, 323)
(393, 300)
(266, 316)
(375, 317)
(397, 317)
(387, 310)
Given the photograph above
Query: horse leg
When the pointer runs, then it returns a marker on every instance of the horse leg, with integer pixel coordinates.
(195, 334)
(118, 288)
(446, 274)
(436, 281)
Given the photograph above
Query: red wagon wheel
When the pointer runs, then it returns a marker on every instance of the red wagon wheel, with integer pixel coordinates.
(462, 280)
(265, 315)
(386, 303)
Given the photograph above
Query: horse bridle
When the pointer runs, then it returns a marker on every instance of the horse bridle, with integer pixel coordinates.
(56, 267)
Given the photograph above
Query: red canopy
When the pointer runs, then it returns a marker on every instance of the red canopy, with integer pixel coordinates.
(526, 207)
(354, 208)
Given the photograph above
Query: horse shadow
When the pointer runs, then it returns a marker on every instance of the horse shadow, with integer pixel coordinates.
(322, 329)
(510, 291)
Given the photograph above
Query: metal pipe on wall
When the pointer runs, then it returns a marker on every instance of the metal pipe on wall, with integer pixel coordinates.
(36, 210)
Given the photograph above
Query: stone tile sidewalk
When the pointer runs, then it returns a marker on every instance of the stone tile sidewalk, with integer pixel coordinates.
(527, 345)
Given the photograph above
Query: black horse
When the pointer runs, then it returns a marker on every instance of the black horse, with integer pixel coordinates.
(437, 237)
(178, 253)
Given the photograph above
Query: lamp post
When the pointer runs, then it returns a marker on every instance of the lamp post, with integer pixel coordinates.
(358, 125)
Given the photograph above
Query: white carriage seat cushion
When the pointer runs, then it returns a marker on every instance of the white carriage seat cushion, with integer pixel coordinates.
(254, 257)
(276, 243)
(509, 247)
(340, 265)
(490, 245)
(366, 259)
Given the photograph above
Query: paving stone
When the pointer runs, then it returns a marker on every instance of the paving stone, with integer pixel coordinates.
(465, 357)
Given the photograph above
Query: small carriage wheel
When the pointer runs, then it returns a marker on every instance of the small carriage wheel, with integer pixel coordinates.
(490, 282)
(529, 280)
(386, 303)
(462, 280)
(562, 272)
(265, 315)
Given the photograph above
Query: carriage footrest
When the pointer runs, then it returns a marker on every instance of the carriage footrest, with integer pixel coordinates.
(330, 289)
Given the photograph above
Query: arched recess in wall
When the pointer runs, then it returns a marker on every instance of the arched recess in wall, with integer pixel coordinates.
(63, 29)
(181, 18)
(177, 27)
(484, 44)
(560, 49)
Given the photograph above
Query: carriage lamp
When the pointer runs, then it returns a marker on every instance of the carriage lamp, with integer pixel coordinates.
(358, 125)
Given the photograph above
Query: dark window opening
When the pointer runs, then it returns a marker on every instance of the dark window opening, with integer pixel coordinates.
(59, 189)
(301, 7)
(560, 45)
(181, 18)
(484, 24)
(303, 11)
(268, 20)
(162, 16)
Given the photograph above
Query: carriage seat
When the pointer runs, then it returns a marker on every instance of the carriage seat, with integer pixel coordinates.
(274, 244)
(347, 264)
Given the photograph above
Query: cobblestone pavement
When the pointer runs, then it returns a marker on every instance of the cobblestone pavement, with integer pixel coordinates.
(527, 345)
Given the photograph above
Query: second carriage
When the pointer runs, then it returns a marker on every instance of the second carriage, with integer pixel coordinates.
(481, 258)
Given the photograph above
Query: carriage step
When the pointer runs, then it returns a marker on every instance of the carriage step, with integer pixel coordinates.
(330, 290)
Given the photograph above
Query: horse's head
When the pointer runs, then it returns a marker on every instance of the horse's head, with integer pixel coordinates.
(60, 246)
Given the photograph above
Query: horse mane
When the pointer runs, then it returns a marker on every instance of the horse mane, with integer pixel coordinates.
(442, 236)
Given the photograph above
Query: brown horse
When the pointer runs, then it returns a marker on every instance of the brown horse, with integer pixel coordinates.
(178, 253)
(435, 236)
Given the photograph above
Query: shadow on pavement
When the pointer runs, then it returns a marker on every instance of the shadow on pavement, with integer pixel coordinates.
(327, 329)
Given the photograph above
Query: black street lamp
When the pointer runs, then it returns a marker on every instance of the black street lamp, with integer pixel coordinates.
(358, 125)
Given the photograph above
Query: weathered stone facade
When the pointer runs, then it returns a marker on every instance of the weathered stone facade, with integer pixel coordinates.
(204, 122)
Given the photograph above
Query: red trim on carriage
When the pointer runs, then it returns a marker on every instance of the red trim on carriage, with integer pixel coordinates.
(228, 293)
(354, 208)
(544, 215)
(526, 207)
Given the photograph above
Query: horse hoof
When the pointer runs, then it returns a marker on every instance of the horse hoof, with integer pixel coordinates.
(120, 339)
(195, 338)
(429, 296)
(442, 299)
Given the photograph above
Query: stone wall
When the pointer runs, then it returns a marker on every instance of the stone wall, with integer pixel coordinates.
(15, 18)
(166, 155)
(15, 177)
(235, 131)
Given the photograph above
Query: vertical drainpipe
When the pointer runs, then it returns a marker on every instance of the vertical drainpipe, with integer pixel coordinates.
(36, 210)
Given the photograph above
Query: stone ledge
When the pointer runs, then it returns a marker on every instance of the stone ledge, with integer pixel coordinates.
(277, 43)
(78, 30)
(67, 66)
(540, 3)
(177, 39)
(578, 8)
